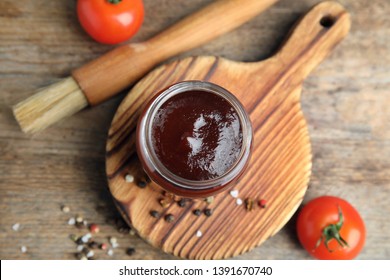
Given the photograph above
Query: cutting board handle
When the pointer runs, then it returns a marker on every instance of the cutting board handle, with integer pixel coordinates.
(313, 38)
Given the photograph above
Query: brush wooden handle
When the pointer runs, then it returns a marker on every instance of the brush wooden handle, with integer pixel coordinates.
(113, 72)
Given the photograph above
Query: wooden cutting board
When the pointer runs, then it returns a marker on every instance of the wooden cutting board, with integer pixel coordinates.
(280, 165)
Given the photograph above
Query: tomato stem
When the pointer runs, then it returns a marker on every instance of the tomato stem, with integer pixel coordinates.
(114, 1)
(332, 231)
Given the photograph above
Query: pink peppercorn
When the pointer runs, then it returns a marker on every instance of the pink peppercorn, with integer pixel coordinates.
(94, 228)
(263, 203)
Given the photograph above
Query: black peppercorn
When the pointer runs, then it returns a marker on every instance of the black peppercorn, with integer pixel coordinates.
(182, 202)
(169, 218)
(130, 251)
(208, 212)
(142, 184)
(197, 212)
(154, 214)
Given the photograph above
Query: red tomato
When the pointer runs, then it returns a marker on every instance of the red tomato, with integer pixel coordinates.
(330, 228)
(110, 21)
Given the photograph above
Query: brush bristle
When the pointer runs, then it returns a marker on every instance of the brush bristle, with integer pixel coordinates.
(49, 105)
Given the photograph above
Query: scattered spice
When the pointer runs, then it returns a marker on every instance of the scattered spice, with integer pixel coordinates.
(90, 254)
(72, 221)
(154, 214)
(113, 242)
(86, 244)
(93, 244)
(129, 178)
(23, 249)
(73, 237)
(130, 251)
(94, 228)
(80, 241)
(197, 212)
(65, 209)
(80, 256)
(79, 225)
(142, 184)
(199, 233)
(209, 199)
(85, 238)
(169, 195)
(249, 204)
(79, 219)
(16, 227)
(208, 212)
(234, 193)
(169, 218)
(239, 201)
(164, 203)
(182, 202)
(263, 203)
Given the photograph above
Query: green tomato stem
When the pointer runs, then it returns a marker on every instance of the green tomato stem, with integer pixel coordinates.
(332, 231)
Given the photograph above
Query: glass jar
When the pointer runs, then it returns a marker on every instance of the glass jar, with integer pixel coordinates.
(194, 139)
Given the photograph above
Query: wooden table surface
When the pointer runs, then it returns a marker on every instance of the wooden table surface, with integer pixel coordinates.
(346, 102)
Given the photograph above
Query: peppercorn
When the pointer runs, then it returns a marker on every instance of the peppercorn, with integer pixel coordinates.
(93, 245)
(209, 199)
(154, 214)
(249, 204)
(103, 246)
(130, 251)
(234, 193)
(73, 237)
(80, 256)
(169, 218)
(197, 212)
(79, 241)
(182, 202)
(113, 240)
(208, 212)
(142, 184)
(129, 178)
(79, 219)
(263, 203)
(94, 228)
(65, 209)
(164, 203)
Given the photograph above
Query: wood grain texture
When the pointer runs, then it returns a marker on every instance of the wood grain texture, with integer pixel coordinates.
(280, 165)
(345, 101)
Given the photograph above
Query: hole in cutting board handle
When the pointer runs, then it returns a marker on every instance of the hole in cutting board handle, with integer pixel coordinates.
(327, 21)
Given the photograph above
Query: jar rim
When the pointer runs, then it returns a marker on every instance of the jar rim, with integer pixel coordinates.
(145, 135)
